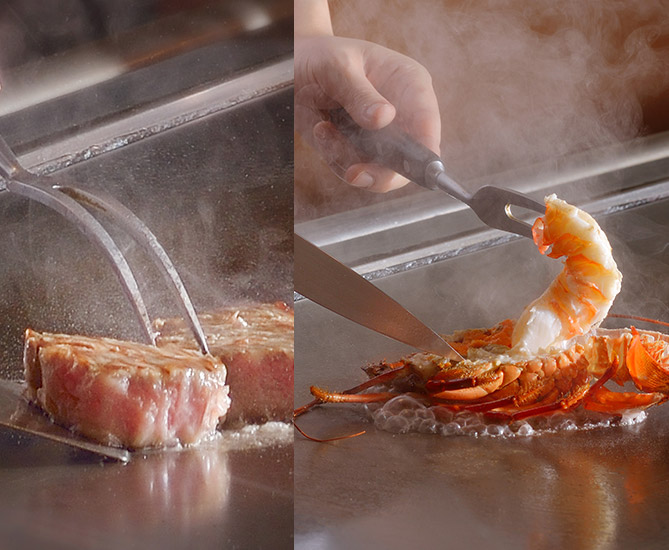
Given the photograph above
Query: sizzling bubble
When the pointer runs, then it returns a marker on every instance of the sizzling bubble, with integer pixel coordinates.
(404, 414)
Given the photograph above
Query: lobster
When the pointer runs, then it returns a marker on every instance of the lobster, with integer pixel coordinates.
(498, 385)
(554, 358)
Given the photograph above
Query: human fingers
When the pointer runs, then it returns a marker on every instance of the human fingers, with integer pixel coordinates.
(340, 74)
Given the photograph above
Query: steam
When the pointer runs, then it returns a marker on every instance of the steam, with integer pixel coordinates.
(518, 82)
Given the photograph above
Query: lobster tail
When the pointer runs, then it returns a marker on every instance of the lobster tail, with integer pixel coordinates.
(648, 362)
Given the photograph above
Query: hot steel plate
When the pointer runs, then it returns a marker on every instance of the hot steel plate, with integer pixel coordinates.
(604, 488)
(218, 194)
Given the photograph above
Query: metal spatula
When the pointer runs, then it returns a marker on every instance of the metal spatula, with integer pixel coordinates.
(16, 413)
(394, 149)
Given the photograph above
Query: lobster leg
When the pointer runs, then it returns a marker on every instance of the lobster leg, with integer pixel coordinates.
(473, 388)
(481, 407)
(564, 404)
(559, 392)
(323, 396)
(550, 399)
(349, 396)
(507, 407)
(607, 401)
(477, 384)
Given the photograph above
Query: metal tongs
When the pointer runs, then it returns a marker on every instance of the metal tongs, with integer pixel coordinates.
(67, 200)
(394, 149)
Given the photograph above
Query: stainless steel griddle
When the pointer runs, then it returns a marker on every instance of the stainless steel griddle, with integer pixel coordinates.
(586, 489)
(208, 167)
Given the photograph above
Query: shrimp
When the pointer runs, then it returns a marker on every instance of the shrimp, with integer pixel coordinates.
(554, 358)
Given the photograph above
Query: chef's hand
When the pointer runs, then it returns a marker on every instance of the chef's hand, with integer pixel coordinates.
(374, 84)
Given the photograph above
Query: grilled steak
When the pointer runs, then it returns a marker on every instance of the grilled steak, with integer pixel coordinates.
(255, 343)
(123, 393)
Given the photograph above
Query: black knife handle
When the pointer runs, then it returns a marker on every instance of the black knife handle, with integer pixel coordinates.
(389, 147)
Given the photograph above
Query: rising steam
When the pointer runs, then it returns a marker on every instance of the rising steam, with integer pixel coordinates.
(518, 82)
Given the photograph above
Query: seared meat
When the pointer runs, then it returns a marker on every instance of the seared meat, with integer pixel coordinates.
(255, 343)
(123, 393)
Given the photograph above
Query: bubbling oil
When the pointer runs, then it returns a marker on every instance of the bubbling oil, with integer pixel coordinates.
(404, 414)
(255, 436)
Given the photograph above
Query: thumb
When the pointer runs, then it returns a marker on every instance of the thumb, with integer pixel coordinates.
(361, 100)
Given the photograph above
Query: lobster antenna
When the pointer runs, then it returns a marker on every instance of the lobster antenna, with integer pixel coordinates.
(317, 440)
(637, 318)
